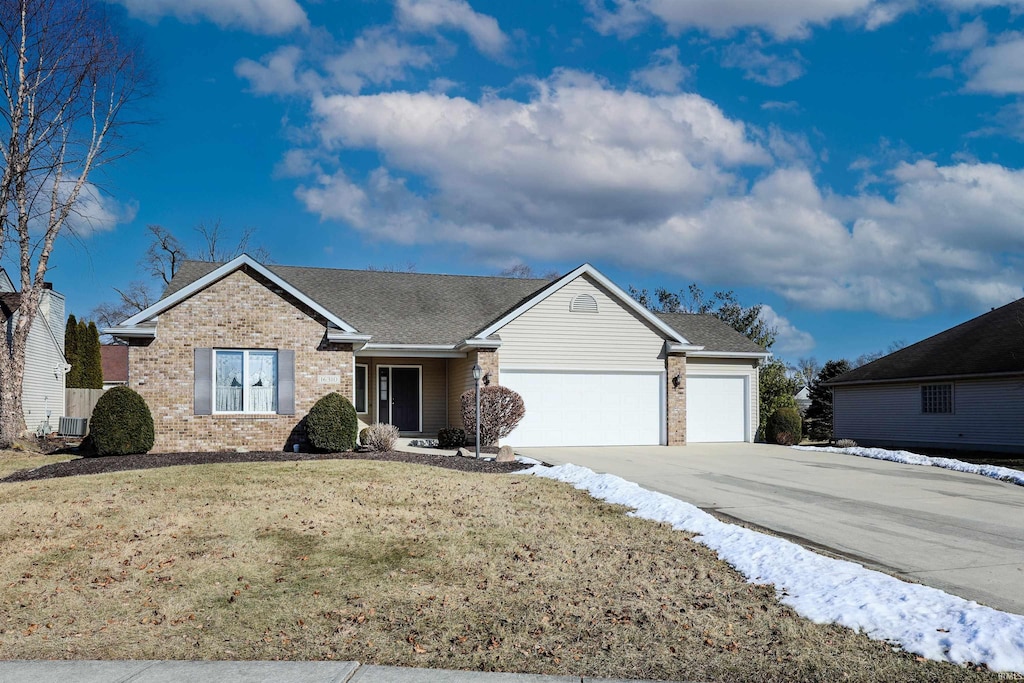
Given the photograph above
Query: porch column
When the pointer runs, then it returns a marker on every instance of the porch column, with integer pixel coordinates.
(675, 399)
(488, 361)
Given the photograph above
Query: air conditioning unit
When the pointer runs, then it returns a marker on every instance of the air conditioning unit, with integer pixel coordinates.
(73, 426)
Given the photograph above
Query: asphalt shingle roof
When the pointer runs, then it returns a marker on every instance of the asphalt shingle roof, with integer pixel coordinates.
(397, 308)
(991, 343)
(422, 308)
(710, 332)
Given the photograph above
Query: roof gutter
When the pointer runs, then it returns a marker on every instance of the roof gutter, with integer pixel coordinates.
(729, 354)
(930, 378)
(357, 340)
(477, 343)
(676, 347)
(130, 332)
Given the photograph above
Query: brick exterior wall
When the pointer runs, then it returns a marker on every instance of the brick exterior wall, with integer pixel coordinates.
(242, 312)
(487, 359)
(675, 403)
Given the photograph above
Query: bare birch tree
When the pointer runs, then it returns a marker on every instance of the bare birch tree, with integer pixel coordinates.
(66, 80)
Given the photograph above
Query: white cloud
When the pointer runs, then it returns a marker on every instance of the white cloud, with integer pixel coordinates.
(429, 15)
(581, 171)
(378, 57)
(761, 66)
(664, 74)
(790, 341)
(967, 37)
(784, 19)
(997, 68)
(256, 16)
(775, 105)
(276, 73)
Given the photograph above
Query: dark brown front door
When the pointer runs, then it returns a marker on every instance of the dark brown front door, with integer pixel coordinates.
(399, 393)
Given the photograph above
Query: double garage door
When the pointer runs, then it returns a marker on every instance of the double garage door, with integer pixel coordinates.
(623, 409)
(587, 409)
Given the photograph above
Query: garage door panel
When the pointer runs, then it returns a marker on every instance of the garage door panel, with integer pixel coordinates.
(587, 409)
(716, 408)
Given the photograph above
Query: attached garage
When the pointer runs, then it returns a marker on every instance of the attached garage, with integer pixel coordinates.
(717, 408)
(588, 409)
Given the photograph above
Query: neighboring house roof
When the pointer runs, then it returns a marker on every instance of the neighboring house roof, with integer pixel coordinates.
(709, 331)
(115, 362)
(990, 344)
(9, 303)
(427, 309)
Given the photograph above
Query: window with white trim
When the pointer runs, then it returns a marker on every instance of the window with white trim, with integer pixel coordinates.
(937, 399)
(360, 389)
(244, 381)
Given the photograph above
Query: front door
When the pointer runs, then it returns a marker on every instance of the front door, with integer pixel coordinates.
(399, 396)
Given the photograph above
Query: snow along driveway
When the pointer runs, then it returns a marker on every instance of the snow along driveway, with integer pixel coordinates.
(958, 532)
(922, 620)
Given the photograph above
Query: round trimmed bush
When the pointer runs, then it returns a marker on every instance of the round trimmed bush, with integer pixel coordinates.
(451, 437)
(332, 425)
(784, 427)
(121, 424)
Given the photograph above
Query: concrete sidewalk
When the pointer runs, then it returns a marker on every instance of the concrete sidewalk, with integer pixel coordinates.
(35, 671)
(958, 532)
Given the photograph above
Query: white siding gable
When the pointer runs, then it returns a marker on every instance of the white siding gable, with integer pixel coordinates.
(551, 336)
(44, 377)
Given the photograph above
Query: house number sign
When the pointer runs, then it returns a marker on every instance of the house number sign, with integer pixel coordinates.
(329, 379)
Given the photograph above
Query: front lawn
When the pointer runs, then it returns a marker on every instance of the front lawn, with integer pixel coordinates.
(392, 563)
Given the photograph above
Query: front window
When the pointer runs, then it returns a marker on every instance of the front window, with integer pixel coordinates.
(937, 398)
(245, 381)
(360, 397)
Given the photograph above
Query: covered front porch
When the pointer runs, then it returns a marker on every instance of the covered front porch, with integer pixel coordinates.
(419, 394)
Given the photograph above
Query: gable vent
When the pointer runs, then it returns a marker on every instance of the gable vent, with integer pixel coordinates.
(583, 303)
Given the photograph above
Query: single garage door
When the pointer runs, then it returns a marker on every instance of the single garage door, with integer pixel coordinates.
(716, 408)
(587, 409)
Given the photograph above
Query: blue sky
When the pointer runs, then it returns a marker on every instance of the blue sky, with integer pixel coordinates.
(856, 165)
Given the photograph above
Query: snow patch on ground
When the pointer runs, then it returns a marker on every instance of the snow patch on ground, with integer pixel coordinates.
(922, 620)
(908, 458)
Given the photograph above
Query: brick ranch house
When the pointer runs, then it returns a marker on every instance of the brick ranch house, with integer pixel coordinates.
(235, 354)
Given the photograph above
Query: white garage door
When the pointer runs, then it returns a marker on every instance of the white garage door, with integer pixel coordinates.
(716, 409)
(587, 409)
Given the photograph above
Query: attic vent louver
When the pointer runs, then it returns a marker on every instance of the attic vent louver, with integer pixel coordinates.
(583, 303)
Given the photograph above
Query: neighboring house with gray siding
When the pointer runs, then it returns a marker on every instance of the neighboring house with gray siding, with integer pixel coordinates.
(960, 389)
(45, 365)
(235, 354)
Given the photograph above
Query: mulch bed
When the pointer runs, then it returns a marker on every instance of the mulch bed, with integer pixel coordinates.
(122, 463)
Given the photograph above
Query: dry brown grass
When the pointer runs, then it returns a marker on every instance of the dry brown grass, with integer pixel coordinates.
(392, 564)
(12, 461)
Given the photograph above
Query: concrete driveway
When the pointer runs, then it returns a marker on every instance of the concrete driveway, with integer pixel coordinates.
(961, 533)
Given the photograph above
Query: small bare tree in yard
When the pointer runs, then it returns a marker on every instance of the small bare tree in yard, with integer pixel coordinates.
(66, 80)
(501, 410)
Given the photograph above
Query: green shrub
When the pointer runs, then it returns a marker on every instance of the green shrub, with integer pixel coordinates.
(784, 427)
(121, 424)
(364, 436)
(332, 425)
(451, 437)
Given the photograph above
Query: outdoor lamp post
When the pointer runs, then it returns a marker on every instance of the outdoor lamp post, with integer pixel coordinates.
(477, 374)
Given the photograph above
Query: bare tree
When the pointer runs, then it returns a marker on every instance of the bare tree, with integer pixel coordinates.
(409, 267)
(214, 249)
(805, 370)
(137, 296)
(66, 80)
(164, 255)
(523, 271)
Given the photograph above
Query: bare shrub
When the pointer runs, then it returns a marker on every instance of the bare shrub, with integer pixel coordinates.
(379, 437)
(846, 443)
(501, 410)
(784, 438)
